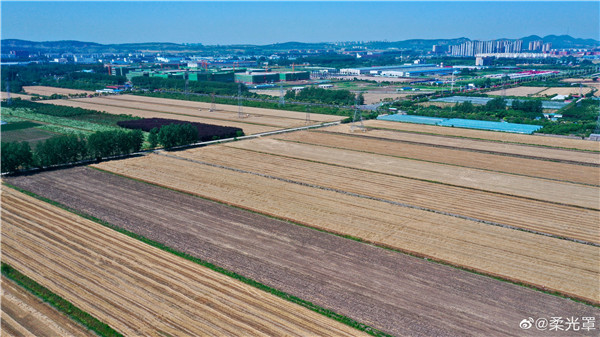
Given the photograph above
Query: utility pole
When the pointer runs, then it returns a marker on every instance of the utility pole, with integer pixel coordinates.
(8, 98)
(240, 113)
(213, 106)
(357, 117)
(281, 94)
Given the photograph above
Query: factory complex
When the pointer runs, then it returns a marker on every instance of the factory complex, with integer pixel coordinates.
(406, 70)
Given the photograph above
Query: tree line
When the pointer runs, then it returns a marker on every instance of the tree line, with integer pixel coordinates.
(320, 95)
(201, 87)
(69, 148)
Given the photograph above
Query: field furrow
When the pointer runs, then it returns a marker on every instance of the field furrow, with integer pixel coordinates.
(23, 314)
(500, 163)
(528, 187)
(393, 292)
(549, 141)
(136, 288)
(474, 144)
(563, 221)
(564, 266)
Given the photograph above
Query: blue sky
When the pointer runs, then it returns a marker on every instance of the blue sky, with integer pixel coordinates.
(270, 22)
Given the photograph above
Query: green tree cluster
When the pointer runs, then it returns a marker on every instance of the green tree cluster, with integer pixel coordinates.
(177, 134)
(320, 95)
(178, 84)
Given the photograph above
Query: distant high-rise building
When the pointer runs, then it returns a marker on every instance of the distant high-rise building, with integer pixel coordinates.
(546, 47)
(472, 48)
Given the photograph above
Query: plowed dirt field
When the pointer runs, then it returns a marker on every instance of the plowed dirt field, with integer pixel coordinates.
(139, 289)
(535, 259)
(393, 292)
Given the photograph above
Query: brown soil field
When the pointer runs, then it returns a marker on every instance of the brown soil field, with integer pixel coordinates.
(13, 95)
(230, 116)
(227, 108)
(48, 91)
(562, 221)
(518, 91)
(574, 90)
(23, 314)
(534, 188)
(274, 93)
(454, 156)
(136, 288)
(564, 266)
(548, 141)
(476, 144)
(408, 295)
(248, 128)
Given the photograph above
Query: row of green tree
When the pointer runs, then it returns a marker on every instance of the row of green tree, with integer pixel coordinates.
(83, 81)
(50, 109)
(320, 95)
(202, 87)
(70, 148)
(33, 74)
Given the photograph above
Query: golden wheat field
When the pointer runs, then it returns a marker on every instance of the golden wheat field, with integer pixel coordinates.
(138, 289)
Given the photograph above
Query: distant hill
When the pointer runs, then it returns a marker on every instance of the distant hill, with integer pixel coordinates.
(79, 47)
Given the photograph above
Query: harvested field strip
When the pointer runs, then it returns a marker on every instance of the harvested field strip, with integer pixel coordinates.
(4, 95)
(23, 314)
(409, 292)
(567, 267)
(526, 151)
(230, 116)
(504, 137)
(589, 175)
(562, 221)
(230, 108)
(518, 91)
(137, 288)
(48, 91)
(533, 188)
(247, 127)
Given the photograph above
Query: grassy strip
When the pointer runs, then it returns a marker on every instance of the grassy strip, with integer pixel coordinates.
(350, 237)
(62, 305)
(326, 312)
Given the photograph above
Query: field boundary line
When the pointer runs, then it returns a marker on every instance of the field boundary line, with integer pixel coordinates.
(483, 139)
(424, 180)
(505, 154)
(501, 278)
(60, 304)
(434, 162)
(288, 297)
(464, 217)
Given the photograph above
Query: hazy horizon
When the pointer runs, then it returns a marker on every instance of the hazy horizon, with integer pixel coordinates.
(261, 23)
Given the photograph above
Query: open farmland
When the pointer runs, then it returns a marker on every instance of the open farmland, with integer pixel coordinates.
(538, 260)
(138, 289)
(187, 111)
(505, 137)
(562, 221)
(574, 90)
(49, 91)
(324, 269)
(23, 314)
(247, 127)
(509, 184)
(454, 156)
(372, 97)
(13, 95)
(518, 91)
(478, 145)
(227, 108)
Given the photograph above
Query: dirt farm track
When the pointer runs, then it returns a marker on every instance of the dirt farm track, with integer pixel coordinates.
(340, 272)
